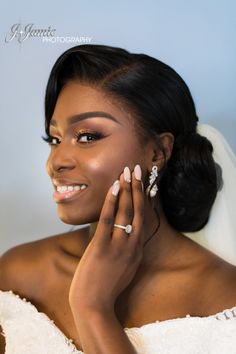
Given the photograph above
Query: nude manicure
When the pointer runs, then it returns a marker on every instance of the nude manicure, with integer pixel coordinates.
(127, 174)
(116, 187)
(138, 172)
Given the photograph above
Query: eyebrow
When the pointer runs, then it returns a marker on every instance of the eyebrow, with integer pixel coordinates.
(82, 116)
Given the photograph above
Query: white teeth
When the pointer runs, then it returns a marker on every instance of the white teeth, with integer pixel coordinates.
(64, 189)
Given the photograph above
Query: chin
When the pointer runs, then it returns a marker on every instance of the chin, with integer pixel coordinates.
(76, 218)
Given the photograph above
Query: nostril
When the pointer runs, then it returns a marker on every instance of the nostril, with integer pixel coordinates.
(60, 167)
(61, 160)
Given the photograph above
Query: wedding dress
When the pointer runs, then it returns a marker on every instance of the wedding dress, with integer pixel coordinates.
(28, 331)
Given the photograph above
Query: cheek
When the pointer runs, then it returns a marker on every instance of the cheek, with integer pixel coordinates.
(47, 166)
(99, 168)
(107, 166)
(102, 171)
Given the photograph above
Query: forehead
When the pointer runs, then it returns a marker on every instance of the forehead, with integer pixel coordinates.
(76, 98)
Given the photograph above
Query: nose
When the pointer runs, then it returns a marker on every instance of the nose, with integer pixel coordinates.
(61, 159)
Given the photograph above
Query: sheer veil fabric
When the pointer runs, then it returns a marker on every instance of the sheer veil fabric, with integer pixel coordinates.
(219, 235)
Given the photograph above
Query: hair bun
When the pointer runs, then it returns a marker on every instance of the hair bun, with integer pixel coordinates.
(189, 184)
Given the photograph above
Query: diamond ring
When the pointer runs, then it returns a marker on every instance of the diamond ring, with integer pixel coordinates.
(127, 228)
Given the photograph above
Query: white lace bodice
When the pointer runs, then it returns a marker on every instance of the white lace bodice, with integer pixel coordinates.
(28, 331)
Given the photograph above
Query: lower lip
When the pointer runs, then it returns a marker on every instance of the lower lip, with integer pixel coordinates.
(67, 196)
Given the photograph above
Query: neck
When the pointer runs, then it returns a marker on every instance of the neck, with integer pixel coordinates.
(160, 249)
(161, 243)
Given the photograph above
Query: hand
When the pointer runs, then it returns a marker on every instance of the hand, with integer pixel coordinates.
(112, 257)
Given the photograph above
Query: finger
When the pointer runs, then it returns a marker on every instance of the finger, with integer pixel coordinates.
(107, 216)
(125, 212)
(138, 201)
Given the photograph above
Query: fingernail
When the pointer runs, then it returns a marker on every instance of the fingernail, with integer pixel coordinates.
(127, 174)
(116, 187)
(138, 172)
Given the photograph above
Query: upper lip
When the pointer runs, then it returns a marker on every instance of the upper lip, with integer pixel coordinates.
(65, 182)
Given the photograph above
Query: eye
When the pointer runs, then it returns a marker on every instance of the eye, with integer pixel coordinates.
(51, 140)
(87, 137)
(80, 137)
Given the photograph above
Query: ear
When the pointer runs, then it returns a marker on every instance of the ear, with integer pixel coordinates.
(160, 152)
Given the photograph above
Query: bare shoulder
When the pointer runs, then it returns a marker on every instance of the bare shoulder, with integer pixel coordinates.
(21, 265)
(217, 282)
(222, 283)
(22, 268)
(28, 269)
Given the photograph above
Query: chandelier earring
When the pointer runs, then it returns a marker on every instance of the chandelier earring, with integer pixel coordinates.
(152, 188)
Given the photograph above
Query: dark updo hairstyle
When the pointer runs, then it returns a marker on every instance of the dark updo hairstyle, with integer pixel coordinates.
(161, 102)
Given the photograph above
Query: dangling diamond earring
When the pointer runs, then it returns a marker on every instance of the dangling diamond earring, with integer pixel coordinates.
(152, 190)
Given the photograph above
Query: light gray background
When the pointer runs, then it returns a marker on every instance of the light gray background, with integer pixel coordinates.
(197, 38)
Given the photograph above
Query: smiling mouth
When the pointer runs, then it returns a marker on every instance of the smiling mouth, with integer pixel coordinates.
(67, 193)
(65, 189)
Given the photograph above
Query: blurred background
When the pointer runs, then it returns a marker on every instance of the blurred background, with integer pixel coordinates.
(196, 38)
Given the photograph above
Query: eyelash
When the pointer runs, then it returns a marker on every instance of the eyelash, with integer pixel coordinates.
(96, 136)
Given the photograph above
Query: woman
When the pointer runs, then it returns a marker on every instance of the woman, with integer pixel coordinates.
(126, 158)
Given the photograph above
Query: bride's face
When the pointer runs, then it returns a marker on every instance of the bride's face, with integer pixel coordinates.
(93, 139)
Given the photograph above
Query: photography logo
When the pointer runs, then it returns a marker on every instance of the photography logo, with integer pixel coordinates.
(21, 33)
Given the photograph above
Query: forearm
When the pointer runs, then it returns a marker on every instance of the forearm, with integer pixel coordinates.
(102, 334)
